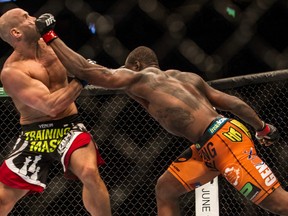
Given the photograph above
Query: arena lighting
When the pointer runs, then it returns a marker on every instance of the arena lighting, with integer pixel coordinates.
(231, 12)
(92, 28)
(7, 1)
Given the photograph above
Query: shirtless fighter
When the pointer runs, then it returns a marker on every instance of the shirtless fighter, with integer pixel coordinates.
(182, 102)
(51, 129)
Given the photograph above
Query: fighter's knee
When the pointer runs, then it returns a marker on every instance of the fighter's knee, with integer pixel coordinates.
(277, 202)
(278, 209)
(160, 185)
(169, 187)
(89, 174)
(164, 187)
(282, 211)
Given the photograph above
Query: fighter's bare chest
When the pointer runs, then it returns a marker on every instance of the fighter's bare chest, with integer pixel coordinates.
(48, 72)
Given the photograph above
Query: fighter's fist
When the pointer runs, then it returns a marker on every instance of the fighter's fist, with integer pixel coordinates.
(45, 25)
(268, 135)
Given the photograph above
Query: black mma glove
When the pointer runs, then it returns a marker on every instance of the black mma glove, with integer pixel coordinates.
(45, 25)
(268, 135)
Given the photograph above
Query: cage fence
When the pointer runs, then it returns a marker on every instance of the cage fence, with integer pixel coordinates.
(137, 151)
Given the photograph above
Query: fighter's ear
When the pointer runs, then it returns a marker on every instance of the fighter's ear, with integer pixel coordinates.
(15, 33)
(138, 66)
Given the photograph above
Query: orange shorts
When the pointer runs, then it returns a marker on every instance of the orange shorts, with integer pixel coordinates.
(226, 148)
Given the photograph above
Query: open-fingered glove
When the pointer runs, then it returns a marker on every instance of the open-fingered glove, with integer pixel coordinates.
(268, 135)
(45, 25)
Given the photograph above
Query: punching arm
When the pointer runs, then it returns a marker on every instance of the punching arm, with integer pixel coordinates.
(78, 66)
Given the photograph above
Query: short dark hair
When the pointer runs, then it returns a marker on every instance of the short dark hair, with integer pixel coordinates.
(144, 55)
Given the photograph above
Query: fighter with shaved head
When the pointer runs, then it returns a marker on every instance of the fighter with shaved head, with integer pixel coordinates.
(52, 130)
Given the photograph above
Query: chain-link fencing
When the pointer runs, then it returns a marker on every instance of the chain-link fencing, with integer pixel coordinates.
(137, 151)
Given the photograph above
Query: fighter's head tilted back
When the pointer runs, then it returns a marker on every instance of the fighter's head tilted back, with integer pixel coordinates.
(16, 25)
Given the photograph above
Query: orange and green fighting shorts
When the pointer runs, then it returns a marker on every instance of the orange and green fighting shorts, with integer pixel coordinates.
(226, 148)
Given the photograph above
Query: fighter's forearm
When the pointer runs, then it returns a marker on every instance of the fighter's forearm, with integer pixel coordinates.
(71, 60)
(74, 63)
(248, 115)
(59, 100)
(77, 65)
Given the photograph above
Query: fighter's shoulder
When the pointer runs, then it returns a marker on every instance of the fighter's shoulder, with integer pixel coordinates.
(18, 65)
(181, 74)
(172, 72)
(16, 68)
(17, 60)
(121, 71)
(10, 66)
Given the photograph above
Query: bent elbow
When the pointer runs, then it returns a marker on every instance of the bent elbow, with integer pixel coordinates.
(53, 113)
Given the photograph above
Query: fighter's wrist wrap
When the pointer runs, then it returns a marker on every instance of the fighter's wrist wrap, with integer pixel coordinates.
(266, 129)
(49, 36)
(83, 82)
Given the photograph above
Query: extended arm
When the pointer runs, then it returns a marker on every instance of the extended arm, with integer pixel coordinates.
(77, 65)
(94, 74)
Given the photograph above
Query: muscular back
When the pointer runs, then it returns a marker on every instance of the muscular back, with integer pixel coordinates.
(29, 79)
(179, 106)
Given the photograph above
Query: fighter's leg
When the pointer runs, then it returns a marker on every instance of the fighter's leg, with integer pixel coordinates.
(256, 181)
(168, 190)
(276, 202)
(246, 171)
(9, 197)
(83, 164)
(183, 175)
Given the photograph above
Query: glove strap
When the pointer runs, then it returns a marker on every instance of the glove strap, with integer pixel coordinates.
(264, 131)
(49, 36)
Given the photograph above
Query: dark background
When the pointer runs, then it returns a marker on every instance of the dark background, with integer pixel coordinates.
(215, 39)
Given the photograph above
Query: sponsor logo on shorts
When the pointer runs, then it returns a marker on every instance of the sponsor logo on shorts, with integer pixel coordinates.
(216, 125)
(262, 168)
(30, 167)
(233, 174)
(242, 127)
(43, 126)
(46, 140)
(251, 156)
(249, 190)
(63, 145)
(233, 135)
(266, 174)
(208, 153)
